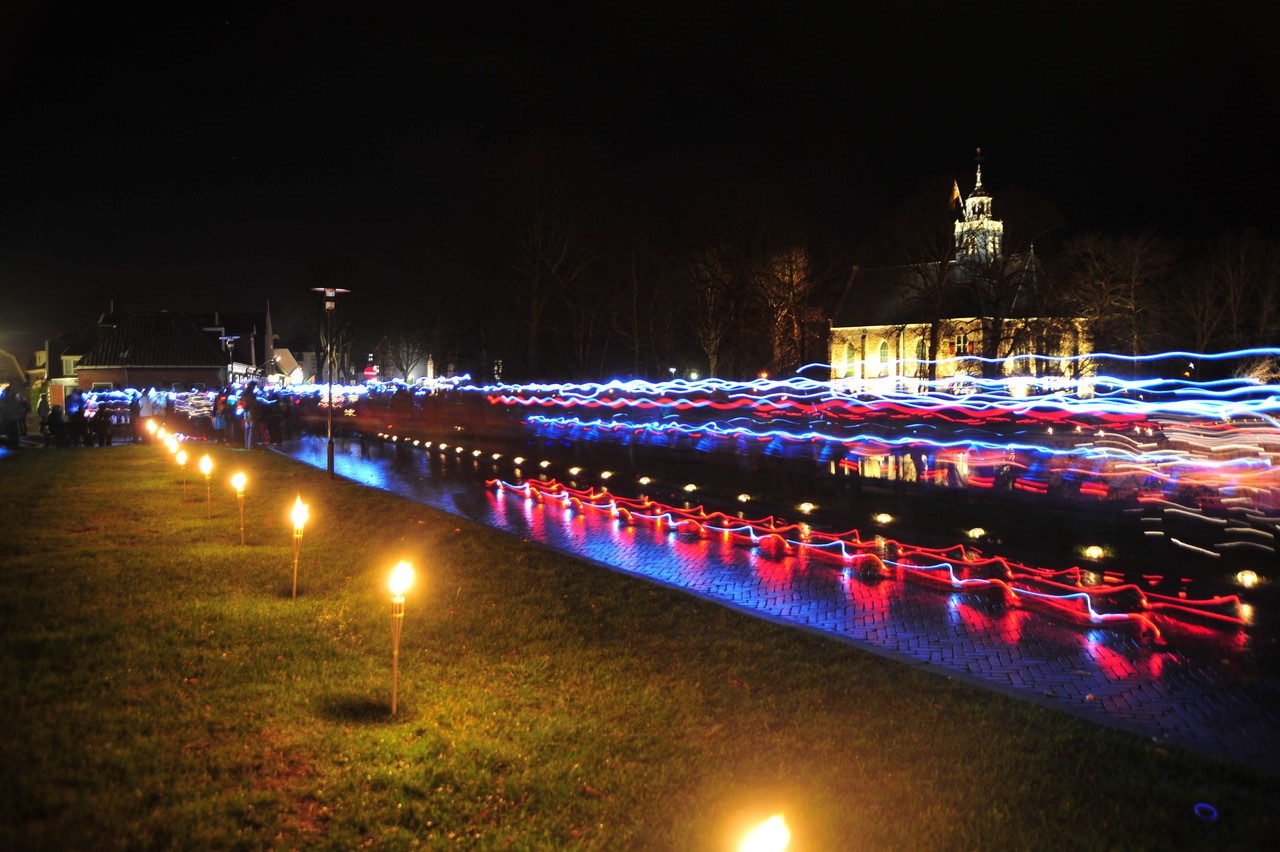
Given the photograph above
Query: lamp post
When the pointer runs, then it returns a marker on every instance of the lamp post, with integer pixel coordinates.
(238, 482)
(206, 467)
(330, 299)
(401, 580)
(182, 463)
(299, 517)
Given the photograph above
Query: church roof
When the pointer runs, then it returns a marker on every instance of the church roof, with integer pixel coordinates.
(884, 296)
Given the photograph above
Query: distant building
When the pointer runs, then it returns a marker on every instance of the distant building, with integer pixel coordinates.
(883, 329)
(246, 339)
(165, 350)
(54, 366)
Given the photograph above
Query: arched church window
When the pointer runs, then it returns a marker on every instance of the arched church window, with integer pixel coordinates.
(884, 358)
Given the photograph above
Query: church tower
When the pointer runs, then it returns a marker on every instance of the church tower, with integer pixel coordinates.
(979, 237)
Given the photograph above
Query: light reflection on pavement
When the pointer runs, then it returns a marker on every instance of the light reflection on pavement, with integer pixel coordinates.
(1207, 689)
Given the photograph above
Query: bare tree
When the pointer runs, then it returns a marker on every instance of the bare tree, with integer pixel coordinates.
(783, 283)
(711, 280)
(1115, 283)
(550, 259)
(402, 349)
(643, 310)
(1228, 293)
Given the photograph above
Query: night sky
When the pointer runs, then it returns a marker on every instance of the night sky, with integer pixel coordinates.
(193, 159)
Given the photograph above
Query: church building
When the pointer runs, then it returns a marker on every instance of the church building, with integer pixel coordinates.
(972, 313)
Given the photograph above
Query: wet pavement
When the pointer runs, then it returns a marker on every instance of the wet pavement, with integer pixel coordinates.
(1209, 689)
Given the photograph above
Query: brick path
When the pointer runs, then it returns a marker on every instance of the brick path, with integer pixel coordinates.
(1208, 690)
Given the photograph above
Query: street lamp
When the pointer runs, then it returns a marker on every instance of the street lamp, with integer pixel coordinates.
(238, 482)
(401, 580)
(182, 463)
(206, 467)
(330, 298)
(299, 518)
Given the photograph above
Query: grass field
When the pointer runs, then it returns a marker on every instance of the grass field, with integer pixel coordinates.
(160, 688)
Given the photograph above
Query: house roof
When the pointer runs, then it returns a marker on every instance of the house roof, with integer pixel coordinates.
(161, 339)
(10, 370)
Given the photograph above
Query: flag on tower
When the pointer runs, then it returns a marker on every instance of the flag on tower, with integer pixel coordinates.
(955, 193)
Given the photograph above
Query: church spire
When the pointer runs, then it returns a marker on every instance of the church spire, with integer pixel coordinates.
(979, 236)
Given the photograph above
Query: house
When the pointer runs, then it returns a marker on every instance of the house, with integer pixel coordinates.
(54, 367)
(164, 350)
(976, 312)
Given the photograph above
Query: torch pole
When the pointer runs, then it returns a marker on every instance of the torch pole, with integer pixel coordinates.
(297, 549)
(397, 622)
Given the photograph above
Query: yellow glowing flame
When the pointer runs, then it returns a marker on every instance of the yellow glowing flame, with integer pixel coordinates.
(605, 474)
(299, 513)
(772, 835)
(806, 507)
(160, 433)
(518, 460)
(691, 487)
(544, 464)
(882, 518)
(574, 471)
(744, 498)
(1247, 578)
(1094, 552)
(977, 532)
(401, 579)
(151, 426)
(238, 481)
(644, 480)
(182, 457)
(206, 465)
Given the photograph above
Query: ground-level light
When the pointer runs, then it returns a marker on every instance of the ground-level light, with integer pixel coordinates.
(206, 467)
(298, 515)
(401, 580)
(181, 458)
(238, 482)
(772, 835)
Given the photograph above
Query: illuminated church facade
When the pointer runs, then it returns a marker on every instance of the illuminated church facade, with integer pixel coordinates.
(892, 318)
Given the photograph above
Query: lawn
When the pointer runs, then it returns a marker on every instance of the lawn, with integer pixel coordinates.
(162, 689)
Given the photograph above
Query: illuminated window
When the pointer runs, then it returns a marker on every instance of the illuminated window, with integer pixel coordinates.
(884, 358)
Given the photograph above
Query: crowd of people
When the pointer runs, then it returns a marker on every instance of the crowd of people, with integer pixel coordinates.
(248, 416)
